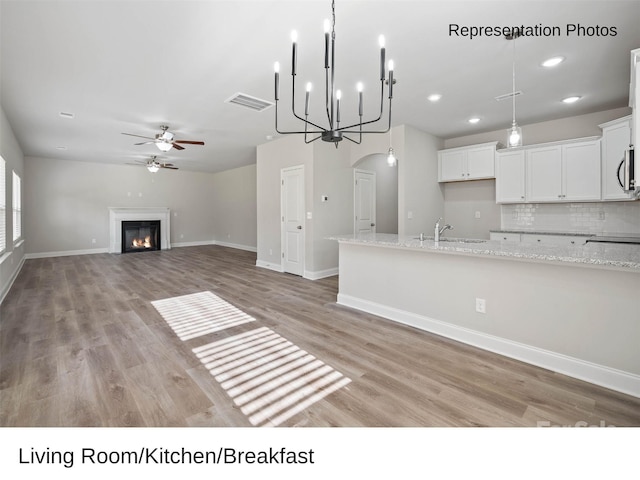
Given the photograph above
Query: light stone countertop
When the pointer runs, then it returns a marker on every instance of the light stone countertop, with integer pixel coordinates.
(603, 255)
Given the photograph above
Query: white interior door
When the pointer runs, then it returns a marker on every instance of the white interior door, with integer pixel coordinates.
(365, 201)
(292, 208)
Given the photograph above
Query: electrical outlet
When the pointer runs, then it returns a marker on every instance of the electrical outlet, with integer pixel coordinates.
(481, 305)
(478, 214)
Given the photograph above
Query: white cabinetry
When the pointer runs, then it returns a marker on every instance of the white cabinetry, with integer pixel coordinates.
(467, 163)
(504, 237)
(564, 172)
(616, 137)
(553, 239)
(581, 168)
(539, 239)
(634, 99)
(510, 175)
(544, 174)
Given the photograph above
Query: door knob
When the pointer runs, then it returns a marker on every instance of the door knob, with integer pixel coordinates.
(299, 227)
(373, 224)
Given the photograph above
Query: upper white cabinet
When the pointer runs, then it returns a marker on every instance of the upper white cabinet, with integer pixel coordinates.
(581, 171)
(567, 171)
(467, 163)
(510, 175)
(544, 174)
(634, 98)
(616, 137)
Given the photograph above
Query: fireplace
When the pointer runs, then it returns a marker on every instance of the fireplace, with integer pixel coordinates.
(117, 215)
(140, 236)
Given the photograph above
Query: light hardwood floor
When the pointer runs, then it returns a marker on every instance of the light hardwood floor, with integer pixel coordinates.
(82, 344)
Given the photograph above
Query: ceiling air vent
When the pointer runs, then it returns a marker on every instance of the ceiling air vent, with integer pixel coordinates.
(509, 95)
(248, 101)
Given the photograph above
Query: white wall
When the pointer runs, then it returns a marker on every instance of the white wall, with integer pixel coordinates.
(549, 131)
(11, 152)
(271, 158)
(579, 320)
(386, 191)
(333, 177)
(418, 189)
(233, 207)
(463, 200)
(66, 204)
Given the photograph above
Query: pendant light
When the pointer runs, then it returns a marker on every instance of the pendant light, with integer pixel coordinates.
(514, 134)
(392, 161)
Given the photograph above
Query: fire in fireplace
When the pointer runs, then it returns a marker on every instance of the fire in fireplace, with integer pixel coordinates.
(140, 236)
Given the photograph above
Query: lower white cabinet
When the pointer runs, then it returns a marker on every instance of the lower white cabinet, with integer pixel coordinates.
(539, 239)
(504, 237)
(553, 239)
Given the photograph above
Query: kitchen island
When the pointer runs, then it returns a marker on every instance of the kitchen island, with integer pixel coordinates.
(571, 309)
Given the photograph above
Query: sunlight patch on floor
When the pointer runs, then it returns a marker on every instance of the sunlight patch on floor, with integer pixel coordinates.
(267, 376)
(198, 314)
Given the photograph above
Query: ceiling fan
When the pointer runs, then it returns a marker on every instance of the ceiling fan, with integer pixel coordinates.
(153, 165)
(165, 140)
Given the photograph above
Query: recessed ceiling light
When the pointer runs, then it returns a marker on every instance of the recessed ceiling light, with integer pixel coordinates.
(67, 115)
(552, 62)
(61, 148)
(474, 120)
(434, 97)
(571, 99)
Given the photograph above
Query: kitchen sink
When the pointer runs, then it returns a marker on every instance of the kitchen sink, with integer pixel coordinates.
(462, 240)
(454, 240)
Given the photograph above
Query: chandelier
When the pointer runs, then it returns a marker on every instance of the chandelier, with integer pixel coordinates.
(332, 131)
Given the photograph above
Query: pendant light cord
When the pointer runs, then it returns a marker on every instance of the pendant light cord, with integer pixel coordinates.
(513, 91)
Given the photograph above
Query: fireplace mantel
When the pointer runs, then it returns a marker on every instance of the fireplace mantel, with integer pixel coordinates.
(118, 214)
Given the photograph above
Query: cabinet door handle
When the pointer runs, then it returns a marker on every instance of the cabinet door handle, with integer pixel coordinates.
(538, 239)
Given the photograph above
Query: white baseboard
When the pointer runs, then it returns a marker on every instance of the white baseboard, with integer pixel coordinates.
(66, 253)
(192, 244)
(269, 266)
(330, 272)
(604, 376)
(236, 245)
(12, 279)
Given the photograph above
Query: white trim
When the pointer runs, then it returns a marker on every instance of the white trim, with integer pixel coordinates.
(329, 272)
(269, 266)
(193, 244)
(604, 376)
(119, 214)
(247, 248)
(65, 253)
(12, 279)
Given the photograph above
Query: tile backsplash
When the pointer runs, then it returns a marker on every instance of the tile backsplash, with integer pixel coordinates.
(596, 218)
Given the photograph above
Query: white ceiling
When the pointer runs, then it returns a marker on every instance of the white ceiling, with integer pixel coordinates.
(130, 66)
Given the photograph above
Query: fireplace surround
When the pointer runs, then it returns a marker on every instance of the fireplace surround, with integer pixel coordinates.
(138, 214)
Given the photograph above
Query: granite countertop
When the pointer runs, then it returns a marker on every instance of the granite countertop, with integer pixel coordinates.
(604, 255)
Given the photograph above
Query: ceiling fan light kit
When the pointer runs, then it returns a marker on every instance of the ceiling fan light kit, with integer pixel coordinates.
(165, 142)
(333, 132)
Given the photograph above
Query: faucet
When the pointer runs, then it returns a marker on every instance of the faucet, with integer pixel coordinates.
(438, 230)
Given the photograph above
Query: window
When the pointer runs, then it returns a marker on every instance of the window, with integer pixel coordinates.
(3, 208)
(17, 207)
